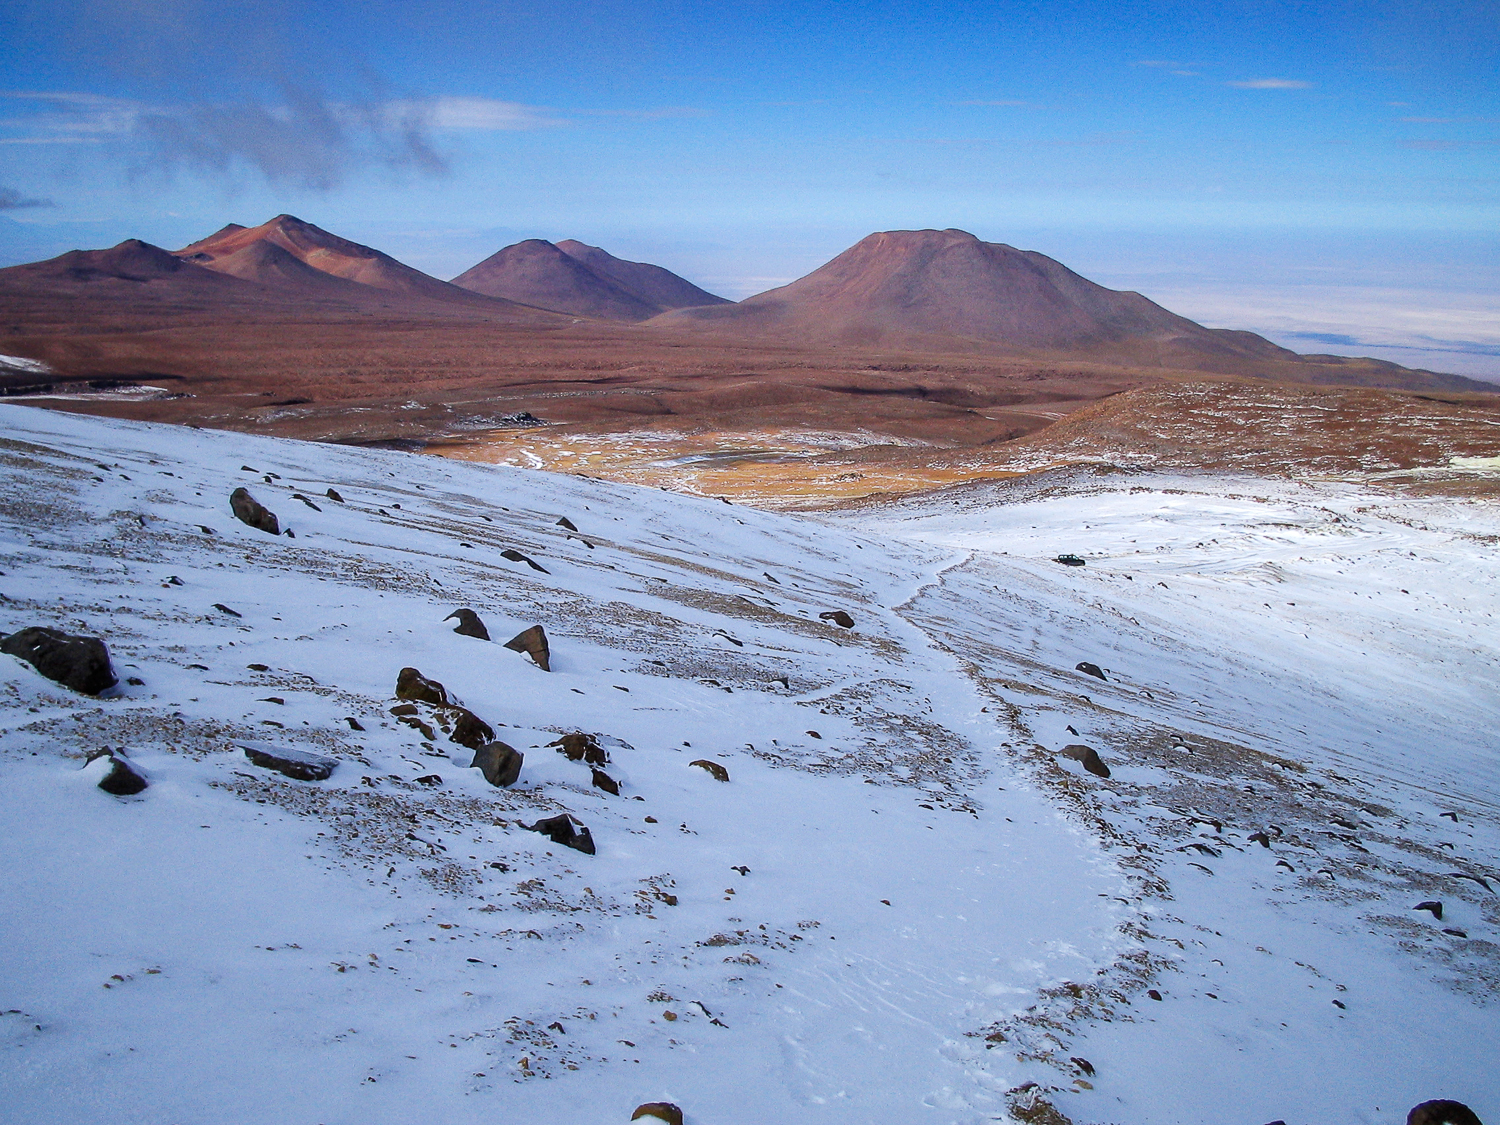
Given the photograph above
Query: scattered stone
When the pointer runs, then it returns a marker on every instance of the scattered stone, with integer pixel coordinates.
(1070, 560)
(814, 734)
(580, 747)
(298, 764)
(333, 495)
(305, 500)
(1453, 816)
(80, 663)
(1260, 838)
(1087, 757)
(838, 617)
(1465, 875)
(123, 779)
(469, 624)
(515, 556)
(430, 779)
(567, 523)
(718, 772)
(258, 667)
(663, 1111)
(172, 580)
(251, 512)
(1151, 992)
(136, 681)
(1442, 1112)
(464, 727)
(411, 684)
(1456, 933)
(222, 608)
(567, 830)
(1083, 1065)
(1432, 906)
(603, 781)
(1090, 670)
(533, 642)
(354, 724)
(500, 764)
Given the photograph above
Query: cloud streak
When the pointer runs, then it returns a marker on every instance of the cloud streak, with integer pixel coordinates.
(12, 200)
(1270, 84)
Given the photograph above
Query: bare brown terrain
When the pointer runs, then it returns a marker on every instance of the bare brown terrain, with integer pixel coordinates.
(285, 329)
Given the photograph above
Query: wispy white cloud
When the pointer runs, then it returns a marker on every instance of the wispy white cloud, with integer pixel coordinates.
(478, 114)
(658, 113)
(1271, 84)
(12, 200)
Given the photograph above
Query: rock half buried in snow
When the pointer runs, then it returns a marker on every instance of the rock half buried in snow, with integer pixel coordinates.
(411, 684)
(469, 624)
(250, 511)
(1086, 756)
(838, 617)
(500, 763)
(661, 1111)
(80, 663)
(603, 781)
(123, 779)
(567, 830)
(515, 556)
(533, 642)
(580, 747)
(298, 764)
(718, 772)
(1090, 670)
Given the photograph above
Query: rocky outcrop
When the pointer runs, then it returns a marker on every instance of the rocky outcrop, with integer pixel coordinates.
(567, 830)
(297, 764)
(716, 771)
(80, 663)
(1087, 757)
(659, 1111)
(533, 642)
(411, 684)
(469, 624)
(580, 747)
(251, 512)
(499, 762)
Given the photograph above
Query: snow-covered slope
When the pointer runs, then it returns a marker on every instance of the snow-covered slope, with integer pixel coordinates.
(901, 906)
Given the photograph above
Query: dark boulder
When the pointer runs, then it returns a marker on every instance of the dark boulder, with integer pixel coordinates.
(250, 511)
(80, 663)
(716, 771)
(469, 624)
(1090, 670)
(567, 523)
(603, 781)
(123, 779)
(533, 642)
(411, 684)
(515, 556)
(500, 763)
(580, 747)
(1442, 1112)
(838, 617)
(298, 764)
(464, 727)
(1433, 907)
(333, 494)
(1086, 756)
(567, 830)
(662, 1111)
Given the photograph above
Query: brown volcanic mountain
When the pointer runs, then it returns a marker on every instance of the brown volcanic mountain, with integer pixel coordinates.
(535, 272)
(653, 284)
(908, 285)
(318, 249)
(584, 280)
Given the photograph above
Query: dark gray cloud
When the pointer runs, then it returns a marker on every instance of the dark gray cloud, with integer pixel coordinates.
(12, 200)
(233, 89)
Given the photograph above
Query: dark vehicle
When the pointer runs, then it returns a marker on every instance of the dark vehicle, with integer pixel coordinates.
(1070, 560)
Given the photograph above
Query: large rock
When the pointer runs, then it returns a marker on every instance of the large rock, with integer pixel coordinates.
(411, 684)
(298, 764)
(464, 727)
(469, 624)
(533, 642)
(1442, 1112)
(580, 747)
(716, 771)
(123, 779)
(500, 763)
(1087, 757)
(80, 663)
(838, 617)
(1090, 669)
(567, 830)
(248, 510)
(661, 1111)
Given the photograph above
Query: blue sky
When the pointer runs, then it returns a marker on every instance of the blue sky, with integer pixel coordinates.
(1206, 149)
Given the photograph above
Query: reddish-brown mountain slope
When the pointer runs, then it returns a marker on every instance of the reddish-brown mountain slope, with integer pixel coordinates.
(653, 284)
(535, 272)
(325, 252)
